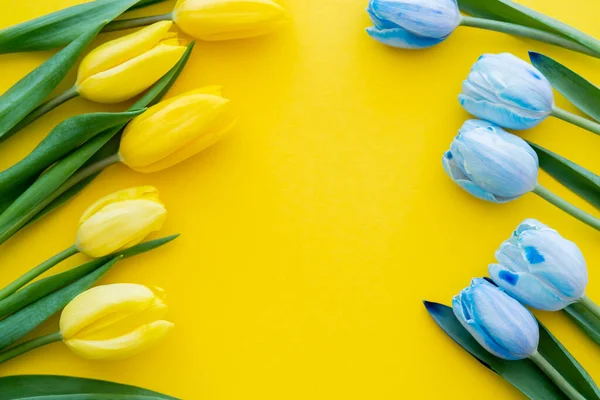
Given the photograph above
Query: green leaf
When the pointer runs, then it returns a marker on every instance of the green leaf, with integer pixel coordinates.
(63, 139)
(522, 374)
(581, 181)
(56, 180)
(43, 287)
(556, 354)
(145, 3)
(578, 90)
(24, 96)
(586, 320)
(62, 27)
(41, 387)
(19, 324)
(509, 11)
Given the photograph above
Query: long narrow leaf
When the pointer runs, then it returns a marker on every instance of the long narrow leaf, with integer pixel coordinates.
(24, 96)
(578, 90)
(556, 354)
(19, 324)
(509, 11)
(583, 182)
(45, 286)
(22, 387)
(586, 320)
(61, 27)
(63, 139)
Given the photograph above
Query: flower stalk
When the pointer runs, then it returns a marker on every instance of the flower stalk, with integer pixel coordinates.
(136, 22)
(556, 377)
(37, 271)
(590, 305)
(29, 345)
(576, 120)
(527, 32)
(567, 207)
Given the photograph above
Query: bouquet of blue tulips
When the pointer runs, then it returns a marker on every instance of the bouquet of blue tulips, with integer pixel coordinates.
(538, 268)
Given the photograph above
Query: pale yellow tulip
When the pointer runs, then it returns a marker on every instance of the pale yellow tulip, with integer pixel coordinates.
(123, 68)
(119, 221)
(114, 321)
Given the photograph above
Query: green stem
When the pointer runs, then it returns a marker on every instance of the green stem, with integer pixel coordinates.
(524, 31)
(136, 22)
(576, 120)
(590, 305)
(28, 346)
(43, 109)
(37, 271)
(556, 377)
(567, 207)
(72, 181)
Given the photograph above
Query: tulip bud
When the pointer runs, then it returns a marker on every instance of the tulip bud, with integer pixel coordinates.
(227, 19)
(498, 322)
(123, 68)
(506, 90)
(114, 321)
(120, 220)
(490, 163)
(412, 24)
(176, 129)
(540, 268)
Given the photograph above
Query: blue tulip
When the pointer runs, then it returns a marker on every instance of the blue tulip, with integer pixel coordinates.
(506, 90)
(490, 163)
(412, 24)
(498, 322)
(540, 268)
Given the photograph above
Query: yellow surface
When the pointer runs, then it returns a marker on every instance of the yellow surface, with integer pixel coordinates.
(310, 237)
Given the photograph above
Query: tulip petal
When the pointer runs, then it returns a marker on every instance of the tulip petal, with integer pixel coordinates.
(119, 225)
(510, 256)
(433, 19)
(119, 323)
(174, 130)
(510, 324)
(462, 307)
(529, 224)
(401, 38)
(226, 19)
(118, 51)
(100, 301)
(124, 346)
(528, 289)
(138, 192)
(453, 170)
(132, 77)
(556, 261)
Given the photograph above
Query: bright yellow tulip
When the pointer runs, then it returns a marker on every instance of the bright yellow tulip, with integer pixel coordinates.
(119, 221)
(227, 19)
(176, 129)
(114, 321)
(123, 68)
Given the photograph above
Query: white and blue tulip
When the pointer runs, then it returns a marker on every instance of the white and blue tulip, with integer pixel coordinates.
(498, 322)
(540, 268)
(506, 90)
(490, 163)
(412, 24)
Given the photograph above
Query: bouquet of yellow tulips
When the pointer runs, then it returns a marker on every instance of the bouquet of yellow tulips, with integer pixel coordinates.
(120, 320)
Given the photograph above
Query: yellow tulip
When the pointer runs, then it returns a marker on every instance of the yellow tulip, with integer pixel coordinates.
(119, 221)
(123, 68)
(114, 321)
(227, 19)
(176, 129)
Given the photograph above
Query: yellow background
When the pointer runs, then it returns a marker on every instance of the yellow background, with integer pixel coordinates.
(310, 237)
